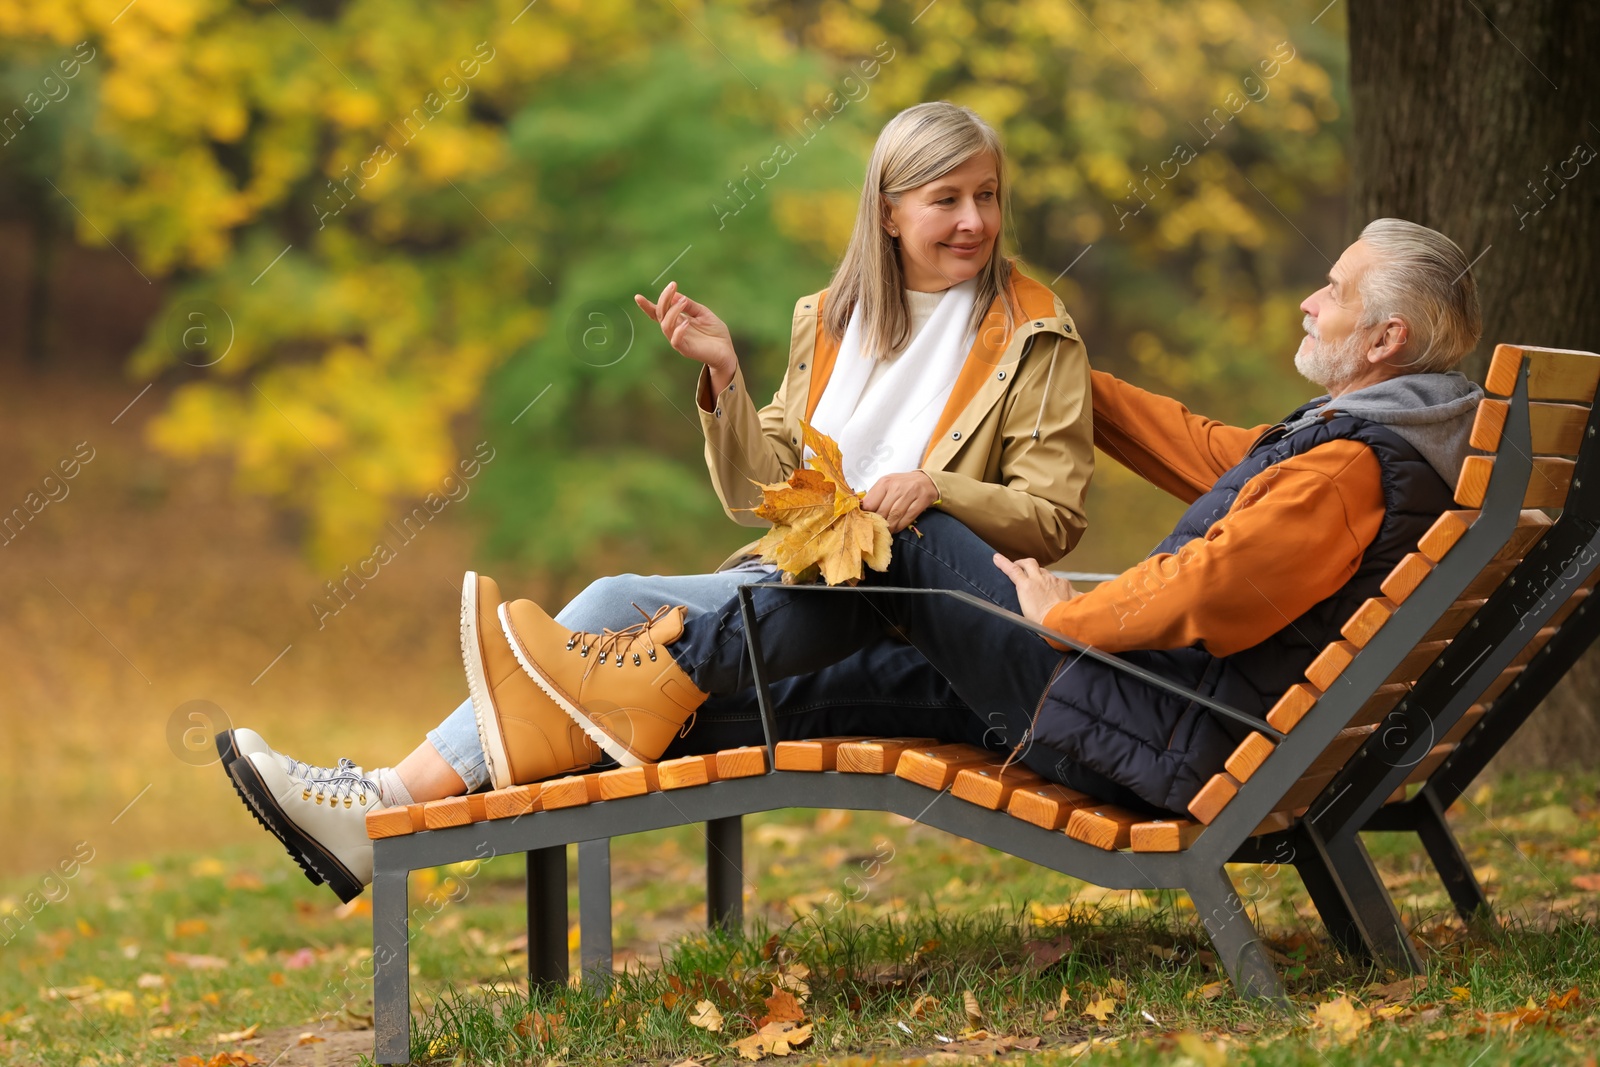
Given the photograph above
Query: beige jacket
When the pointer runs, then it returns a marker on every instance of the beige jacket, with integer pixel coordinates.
(1012, 452)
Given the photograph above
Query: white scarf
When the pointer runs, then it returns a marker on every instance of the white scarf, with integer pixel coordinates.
(886, 429)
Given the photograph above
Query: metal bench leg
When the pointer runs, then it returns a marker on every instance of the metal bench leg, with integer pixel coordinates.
(1368, 902)
(1448, 859)
(547, 915)
(391, 967)
(594, 909)
(1234, 936)
(1323, 888)
(725, 873)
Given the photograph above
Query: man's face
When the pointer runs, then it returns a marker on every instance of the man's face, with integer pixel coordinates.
(1332, 353)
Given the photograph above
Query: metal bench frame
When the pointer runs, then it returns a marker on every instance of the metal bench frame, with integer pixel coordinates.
(1323, 847)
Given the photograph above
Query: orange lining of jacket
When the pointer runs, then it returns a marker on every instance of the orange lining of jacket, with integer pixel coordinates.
(1032, 298)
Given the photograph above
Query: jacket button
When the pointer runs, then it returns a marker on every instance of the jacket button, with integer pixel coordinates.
(1067, 328)
(808, 307)
(794, 440)
(802, 366)
(1002, 376)
(1038, 324)
(956, 436)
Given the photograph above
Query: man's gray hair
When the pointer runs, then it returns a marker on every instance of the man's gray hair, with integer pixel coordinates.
(1423, 278)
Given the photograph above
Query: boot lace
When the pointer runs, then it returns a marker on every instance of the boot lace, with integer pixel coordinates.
(348, 788)
(312, 772)
(619, 646)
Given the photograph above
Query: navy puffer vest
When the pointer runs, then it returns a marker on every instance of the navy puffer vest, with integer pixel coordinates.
(1165, 748)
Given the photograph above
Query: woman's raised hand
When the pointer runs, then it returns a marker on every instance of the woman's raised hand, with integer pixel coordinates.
(693, 331)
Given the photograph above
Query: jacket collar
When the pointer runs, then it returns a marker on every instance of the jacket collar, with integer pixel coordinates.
(983, 376)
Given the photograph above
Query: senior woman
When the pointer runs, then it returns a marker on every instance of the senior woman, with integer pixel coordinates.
(949, 380)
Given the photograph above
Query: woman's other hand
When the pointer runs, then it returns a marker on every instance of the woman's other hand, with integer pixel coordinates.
(1037, 589)
(694, 331)
(900, 498)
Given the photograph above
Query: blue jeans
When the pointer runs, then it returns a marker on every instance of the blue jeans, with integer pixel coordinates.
(998, 670)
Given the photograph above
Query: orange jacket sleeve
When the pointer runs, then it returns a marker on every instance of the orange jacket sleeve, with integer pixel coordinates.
(1161, 441)
(1293, 536)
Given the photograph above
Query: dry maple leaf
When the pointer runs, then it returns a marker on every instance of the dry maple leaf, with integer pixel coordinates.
(1100, 1008)
(706, 1016)
(969, 1003)
(1342, 1020)
(817, 520)
(782, 1007)
(773, 1039)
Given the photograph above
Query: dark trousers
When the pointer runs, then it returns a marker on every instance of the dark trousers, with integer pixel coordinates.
(997, 671)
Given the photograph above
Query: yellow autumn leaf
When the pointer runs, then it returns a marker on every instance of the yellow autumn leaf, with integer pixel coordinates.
(1100, 1008)
(818, 521)
(1341, 1019)
(706, 1016)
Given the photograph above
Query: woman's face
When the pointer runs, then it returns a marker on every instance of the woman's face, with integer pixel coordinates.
(947, 228)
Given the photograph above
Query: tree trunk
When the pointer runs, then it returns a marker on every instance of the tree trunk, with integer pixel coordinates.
(1481, 118)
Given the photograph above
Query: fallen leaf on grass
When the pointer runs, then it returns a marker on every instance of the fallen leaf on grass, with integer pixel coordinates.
(781, 1007)
(792, 978)
(247, 1034)
(1100, 1008)
(538, 1023)
(924, 1004)
(1209, 991)
(969, 1003)
(706, 1016)
(1042, 954)
(1341, 1019)
(309, 1038)
(1589, 882)
(773, 1039)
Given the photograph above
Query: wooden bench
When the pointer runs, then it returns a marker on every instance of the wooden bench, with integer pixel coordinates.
(1329, 748)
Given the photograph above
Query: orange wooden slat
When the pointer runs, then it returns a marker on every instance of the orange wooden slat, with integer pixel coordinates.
(1164, 835)
(449, 811)
(394, 822)
(1469, 718)
(936, 768)
(1048, 806)
(877, 756)
(573, 791)
(1554, 429)
(1379, 704)
(1103, 826)
(1533, 647)
(746, 762)
(1416, 661)
(1553, 373)
(622, 782)
(1406, 576)
(687, 771)
(1547, 483)
(1489, 579)
(1429, 763)
(509, 803)
(1213, 797)
(1448, 528)
(817, 754)
(1500, 684)
(1292, 706)
(991, 788)
(1251, 753)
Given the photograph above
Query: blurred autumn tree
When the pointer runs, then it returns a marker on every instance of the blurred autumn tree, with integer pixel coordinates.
(399, 218)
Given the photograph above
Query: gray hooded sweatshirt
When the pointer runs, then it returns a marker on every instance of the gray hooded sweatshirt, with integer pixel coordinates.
(1432, 412)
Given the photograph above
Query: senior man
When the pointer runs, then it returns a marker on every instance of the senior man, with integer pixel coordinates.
(1290, 526)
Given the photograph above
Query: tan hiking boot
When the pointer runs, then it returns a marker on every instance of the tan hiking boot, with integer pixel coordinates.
(526, 736)
(622, 686)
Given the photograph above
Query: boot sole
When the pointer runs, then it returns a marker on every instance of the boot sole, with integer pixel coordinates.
(608, 744)
(230, 754)
(483, 709)
(261, 801)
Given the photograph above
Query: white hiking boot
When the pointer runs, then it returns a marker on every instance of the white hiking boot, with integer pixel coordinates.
(240, 743)
(322, 820)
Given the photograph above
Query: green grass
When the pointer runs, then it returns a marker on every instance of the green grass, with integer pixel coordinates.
(146, 963)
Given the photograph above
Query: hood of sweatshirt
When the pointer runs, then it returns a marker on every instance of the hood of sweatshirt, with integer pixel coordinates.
(1432, 412)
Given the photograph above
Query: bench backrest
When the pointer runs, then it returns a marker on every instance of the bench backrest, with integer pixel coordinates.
(1564, 384)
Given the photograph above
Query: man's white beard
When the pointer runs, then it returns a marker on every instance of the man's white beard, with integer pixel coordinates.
(1330, 366)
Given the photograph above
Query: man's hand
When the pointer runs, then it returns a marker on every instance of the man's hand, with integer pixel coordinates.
(900, 498)
(1037, 589)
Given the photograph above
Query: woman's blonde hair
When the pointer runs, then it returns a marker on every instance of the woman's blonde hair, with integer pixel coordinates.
(919, 145)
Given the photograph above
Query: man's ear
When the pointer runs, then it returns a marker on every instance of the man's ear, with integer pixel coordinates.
(1388, 345)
